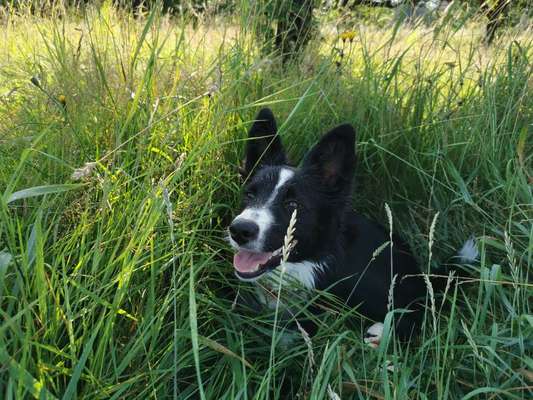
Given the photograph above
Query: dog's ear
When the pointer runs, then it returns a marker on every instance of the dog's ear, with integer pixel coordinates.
(332, 160)
(264, 145)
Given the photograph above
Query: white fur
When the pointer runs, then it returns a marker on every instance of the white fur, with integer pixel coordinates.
(284, 175)
(469, 252)
(374, 335)
(232, 242)
(304, 272)
(262, 216)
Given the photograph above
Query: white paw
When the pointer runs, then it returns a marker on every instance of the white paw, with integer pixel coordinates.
(389, 365)
(373, 335)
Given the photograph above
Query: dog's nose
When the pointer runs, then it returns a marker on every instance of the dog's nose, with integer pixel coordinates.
(243, 231)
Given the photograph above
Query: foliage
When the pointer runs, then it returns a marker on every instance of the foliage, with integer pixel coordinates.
(285, 26)
(120, 141)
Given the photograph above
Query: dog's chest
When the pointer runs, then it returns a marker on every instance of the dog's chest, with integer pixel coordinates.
(295, 278)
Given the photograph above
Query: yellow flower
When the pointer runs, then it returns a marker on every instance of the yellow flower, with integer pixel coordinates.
(348, 35)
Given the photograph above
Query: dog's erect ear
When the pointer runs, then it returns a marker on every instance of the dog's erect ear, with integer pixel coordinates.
(264, 145)
(332, 160)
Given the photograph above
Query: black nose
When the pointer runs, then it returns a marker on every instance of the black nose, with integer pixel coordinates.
(243, 231)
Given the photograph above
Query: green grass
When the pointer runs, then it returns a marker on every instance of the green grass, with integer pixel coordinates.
(120, 285)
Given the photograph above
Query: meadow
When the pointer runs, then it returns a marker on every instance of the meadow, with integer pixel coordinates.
(120, 145)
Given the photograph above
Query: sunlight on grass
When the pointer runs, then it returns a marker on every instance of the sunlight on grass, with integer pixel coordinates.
(116, 281)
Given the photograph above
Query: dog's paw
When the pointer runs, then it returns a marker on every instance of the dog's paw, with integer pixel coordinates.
(373, 335)
(389, 365)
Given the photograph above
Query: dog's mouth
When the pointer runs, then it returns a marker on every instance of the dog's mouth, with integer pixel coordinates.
(251, 264)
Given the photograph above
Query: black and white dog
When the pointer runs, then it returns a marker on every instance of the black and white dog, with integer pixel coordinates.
(335, 248)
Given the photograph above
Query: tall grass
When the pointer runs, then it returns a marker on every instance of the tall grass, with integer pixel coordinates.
(118, 283)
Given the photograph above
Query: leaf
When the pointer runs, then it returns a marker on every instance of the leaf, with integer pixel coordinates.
(520, 149)
(487, 389)
(525, 317)
(5, 259)
(99, 300)
(70, 393)
(194, 334)
(160, 153)
(41, 191)
(19, 374)
(461, 184)
(222, 349)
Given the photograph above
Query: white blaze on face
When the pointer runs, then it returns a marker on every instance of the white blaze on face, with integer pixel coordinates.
(262, 215)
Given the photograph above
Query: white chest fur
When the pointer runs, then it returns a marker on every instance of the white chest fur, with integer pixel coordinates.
(300, 273)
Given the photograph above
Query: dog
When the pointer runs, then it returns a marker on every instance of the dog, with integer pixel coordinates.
(335, 249)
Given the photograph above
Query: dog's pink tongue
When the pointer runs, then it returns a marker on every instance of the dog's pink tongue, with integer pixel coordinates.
(247, 261)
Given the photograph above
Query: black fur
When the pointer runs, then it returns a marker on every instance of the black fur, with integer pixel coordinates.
(264, 145)
(328, 231)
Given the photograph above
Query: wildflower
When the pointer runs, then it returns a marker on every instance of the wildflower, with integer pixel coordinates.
(62, 100)
(83, 172)
(348, 35)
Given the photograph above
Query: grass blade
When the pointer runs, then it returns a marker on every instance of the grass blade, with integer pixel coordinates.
(40, 191)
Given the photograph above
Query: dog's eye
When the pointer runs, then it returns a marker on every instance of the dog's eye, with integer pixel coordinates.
(291, 205)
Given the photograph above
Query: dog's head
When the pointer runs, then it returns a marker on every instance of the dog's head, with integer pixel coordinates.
(319, 190)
